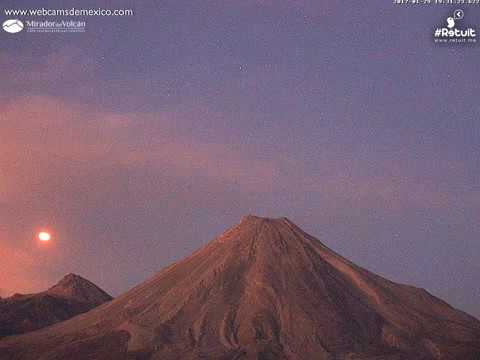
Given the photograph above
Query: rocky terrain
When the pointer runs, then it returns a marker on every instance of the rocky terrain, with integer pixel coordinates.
(264, 289)
(71, 296)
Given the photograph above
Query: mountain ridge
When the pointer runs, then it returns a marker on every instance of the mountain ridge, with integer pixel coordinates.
(72, 295)
(264, 289)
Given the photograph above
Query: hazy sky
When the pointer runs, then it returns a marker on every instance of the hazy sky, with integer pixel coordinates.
(141, 139)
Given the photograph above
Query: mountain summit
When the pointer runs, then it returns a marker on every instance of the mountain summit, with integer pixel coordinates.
(264, 289)
(76, 287)
(70, 296)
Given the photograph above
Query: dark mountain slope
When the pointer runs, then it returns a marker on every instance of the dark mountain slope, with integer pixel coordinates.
(73, 295)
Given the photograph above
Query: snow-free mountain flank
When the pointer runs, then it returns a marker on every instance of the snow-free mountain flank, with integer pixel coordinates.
(71, 296)
(264, 289)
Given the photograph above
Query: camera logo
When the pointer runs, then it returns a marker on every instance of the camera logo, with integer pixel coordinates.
(12, 26)
(450, 23)
(452, 33)
(457, 15)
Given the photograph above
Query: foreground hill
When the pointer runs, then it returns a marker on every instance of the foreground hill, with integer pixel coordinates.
(71, 296)
(262, 290)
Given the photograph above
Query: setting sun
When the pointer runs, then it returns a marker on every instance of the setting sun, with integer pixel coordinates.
(44, 236)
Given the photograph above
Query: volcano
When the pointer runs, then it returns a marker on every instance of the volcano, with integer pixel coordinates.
(264, 289)
(71, 296)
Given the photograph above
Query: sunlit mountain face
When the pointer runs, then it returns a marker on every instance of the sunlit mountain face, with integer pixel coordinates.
(264, 289)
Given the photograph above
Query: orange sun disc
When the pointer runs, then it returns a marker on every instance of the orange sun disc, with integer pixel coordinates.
(44, 236)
